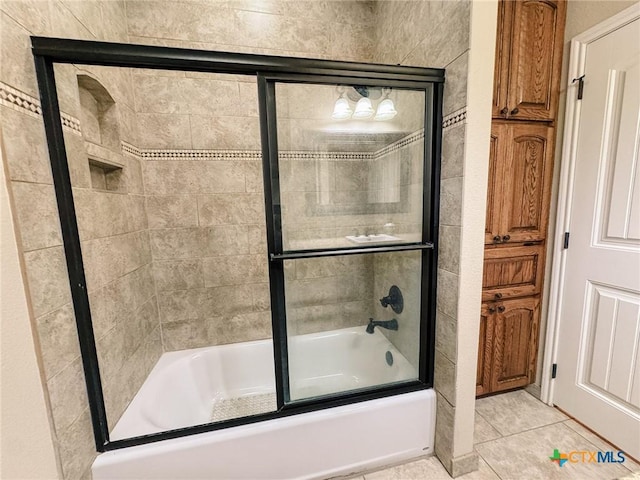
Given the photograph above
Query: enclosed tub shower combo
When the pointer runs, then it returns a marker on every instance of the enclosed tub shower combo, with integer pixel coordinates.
(251, 249)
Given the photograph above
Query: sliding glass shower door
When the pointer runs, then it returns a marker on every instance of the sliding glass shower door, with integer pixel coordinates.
(246, 237)
(347, 165)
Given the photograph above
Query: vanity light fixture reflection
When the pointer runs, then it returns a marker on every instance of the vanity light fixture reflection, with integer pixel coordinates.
(341, 110)
(364, 108)
(386, 109)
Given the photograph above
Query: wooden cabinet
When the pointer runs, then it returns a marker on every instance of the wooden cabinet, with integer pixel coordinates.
(528, 59)
(509, 347)
(525, 100)
(520, 173)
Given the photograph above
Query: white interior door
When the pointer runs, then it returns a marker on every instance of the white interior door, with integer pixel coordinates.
(598, 353)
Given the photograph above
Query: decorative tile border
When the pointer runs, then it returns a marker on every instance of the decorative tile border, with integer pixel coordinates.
(459, 116)
(131, 150)
(71, 123)
(24, 103)
(185, 154)
(19, 101)
(397, 145)
(29, 105)
(307, 155)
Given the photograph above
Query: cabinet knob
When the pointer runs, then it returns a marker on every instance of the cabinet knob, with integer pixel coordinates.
(492, 309)
(497, 239)
(506, 238)
(498, 296)
(501, 308)
(515, 111)
(504, 111)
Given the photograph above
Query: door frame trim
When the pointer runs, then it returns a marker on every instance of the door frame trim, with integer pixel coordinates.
(577, 58)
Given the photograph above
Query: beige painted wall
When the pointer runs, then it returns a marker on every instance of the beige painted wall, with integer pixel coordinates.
(26, 445)
(581, 15)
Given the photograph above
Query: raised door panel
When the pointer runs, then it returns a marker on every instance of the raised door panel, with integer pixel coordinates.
(512, 272)
(526, 176)
(515, 343)
(497, 151)
(536, 53)
(485, 349)
(503, 49)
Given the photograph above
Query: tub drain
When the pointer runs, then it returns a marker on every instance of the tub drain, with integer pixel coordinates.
(389, 357)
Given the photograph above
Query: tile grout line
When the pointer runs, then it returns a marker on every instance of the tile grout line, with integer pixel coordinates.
(491, 425)
(487, 461)
(528, 430)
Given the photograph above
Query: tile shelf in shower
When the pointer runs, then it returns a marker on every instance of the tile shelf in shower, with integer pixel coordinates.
(103, 157)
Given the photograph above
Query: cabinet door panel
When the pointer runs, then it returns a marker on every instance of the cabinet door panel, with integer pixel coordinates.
(526, 174)
(515, 343)
(536, 51)
(512, 272)
(503, 50)
(485, 349)
(497, 150)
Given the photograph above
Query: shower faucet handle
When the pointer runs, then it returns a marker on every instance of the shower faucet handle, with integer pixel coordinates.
(394, 300)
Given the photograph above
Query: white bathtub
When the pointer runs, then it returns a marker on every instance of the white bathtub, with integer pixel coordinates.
(185, 387)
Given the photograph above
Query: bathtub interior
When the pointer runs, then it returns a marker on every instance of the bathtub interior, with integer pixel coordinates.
(342, 361)
(199, 386)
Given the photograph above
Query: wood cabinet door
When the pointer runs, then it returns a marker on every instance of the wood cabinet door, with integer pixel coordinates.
(525, 172)
(535, 58)
(485, 352)
(503, 51)
(515, 343)
(497, 151)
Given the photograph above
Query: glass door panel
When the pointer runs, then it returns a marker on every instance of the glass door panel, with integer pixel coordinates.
(351, 165)
(345, 330)
(350, 170)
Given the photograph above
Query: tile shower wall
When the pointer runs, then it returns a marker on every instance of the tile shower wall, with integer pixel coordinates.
(209, 251)
(199, 135)
(444, 44)
(339, 30)
(113, 228)
(336, 30)
(207, 223)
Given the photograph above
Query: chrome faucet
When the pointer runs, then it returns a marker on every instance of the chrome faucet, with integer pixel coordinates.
(388, 324)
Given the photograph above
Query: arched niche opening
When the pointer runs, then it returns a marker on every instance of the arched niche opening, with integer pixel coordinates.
(101, 132)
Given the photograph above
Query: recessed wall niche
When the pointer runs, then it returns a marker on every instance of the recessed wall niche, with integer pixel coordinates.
(101, 133)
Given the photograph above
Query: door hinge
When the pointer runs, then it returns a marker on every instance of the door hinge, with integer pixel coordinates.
(566, 240)
(580, 81)
(554, 370)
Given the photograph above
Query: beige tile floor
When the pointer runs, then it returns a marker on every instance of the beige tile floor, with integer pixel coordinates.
(514, 435)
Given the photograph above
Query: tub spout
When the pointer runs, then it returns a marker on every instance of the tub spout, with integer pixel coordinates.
(388, 324)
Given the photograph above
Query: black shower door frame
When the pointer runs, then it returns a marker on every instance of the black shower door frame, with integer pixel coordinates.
(268, 70)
